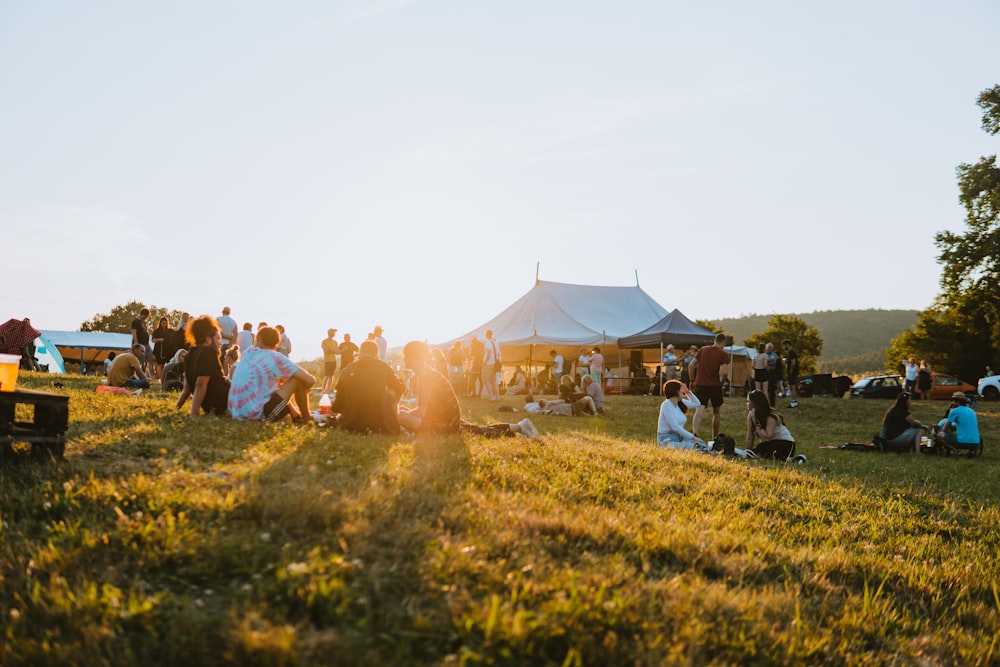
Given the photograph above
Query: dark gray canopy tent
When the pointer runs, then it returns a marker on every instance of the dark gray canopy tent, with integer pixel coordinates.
(675, 328)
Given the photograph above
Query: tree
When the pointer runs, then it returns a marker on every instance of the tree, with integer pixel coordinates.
(960, 333)
(707, 324)
(119, 320)
(805, 339)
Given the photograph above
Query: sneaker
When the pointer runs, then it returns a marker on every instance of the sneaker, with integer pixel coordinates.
(793, 404)
(799, 459)
(751, 454)
(528, 429)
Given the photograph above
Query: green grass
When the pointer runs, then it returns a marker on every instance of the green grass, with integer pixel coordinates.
(167, 540)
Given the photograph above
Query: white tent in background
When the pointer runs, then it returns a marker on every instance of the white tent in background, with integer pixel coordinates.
(567, 317)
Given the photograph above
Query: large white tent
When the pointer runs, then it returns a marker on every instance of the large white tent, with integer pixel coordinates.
(566, 318)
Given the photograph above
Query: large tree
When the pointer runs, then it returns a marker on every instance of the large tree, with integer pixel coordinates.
(805, 339)
(119, 320)
(960, 333)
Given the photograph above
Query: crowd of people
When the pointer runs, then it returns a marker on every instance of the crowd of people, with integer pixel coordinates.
(224, 369)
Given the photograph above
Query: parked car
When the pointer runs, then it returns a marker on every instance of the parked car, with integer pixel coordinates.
(989, 387)
(878, 386)
(943, 386)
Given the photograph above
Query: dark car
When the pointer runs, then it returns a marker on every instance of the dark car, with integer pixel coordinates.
(878, 386)
(824, 385)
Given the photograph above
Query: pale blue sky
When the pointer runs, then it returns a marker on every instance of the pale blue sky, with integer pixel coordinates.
(408, 164)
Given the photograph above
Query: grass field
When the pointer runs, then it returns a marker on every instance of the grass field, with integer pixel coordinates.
(168, 540)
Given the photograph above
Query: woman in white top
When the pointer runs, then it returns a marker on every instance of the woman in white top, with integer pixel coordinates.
(760, 374)
(670, 431)
(767, 424)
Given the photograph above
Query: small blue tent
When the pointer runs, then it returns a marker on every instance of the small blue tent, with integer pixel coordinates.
(89, 348)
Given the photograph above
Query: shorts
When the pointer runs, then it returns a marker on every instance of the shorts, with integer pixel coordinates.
(793, 378)
(760, 375)
(275, 409)
(329, 368)
(708, 395)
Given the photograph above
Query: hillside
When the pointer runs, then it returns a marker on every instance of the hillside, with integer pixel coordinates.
(854, 341)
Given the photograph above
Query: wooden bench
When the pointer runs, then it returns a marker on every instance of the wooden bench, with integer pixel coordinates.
(45, 434)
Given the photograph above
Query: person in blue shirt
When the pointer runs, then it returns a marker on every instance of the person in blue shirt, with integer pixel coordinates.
(960, 427)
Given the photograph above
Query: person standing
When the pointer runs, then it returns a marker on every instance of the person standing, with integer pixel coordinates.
(760, 369)
(383, 346)
(245, 337)
(491, 367)
(669, 363)
(159, 338)
(456, 366)
(476, 351)
(924, 380)
(140, 336)
(792, 365)
(228, 329)
(775, 373)
(348, 350)
(583, 364)
(331, 349)
(596, 365)
(709, 367)
(911, 369)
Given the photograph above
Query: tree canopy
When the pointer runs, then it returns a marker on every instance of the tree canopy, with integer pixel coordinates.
(960, 333)
(119, 320)
(805, 339)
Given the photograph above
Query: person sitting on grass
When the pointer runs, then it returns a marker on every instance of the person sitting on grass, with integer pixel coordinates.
(582, 404)
(960, 428)
(126, 369)
(595, 391)
(670, 431)
(204, 380)
(266, 381)
(437, 409)
(367, 394)
(767, 424)
(900, 430)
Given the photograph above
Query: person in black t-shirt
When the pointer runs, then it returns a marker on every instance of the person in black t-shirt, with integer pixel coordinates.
(204, 380)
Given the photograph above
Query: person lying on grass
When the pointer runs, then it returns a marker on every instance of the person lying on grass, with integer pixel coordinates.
(559, 407)
(437, 409)
(266, 381)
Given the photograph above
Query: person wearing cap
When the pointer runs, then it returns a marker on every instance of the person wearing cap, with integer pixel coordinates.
(331, 349)
(383, 347)
(669, 363)
(960, 427)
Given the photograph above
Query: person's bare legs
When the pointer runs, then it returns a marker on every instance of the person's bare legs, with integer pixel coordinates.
(716, 421)
(699, 412)
(297, 390)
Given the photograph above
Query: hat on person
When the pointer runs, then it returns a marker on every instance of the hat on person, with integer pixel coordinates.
(959, 396)
(378, 328)
(670, 346)
(330, 332)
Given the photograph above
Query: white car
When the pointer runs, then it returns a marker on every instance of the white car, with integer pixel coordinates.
(989, 387)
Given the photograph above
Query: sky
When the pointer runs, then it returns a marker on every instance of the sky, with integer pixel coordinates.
(417, 163)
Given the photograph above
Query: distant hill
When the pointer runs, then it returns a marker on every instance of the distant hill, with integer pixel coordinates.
(854, 341)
